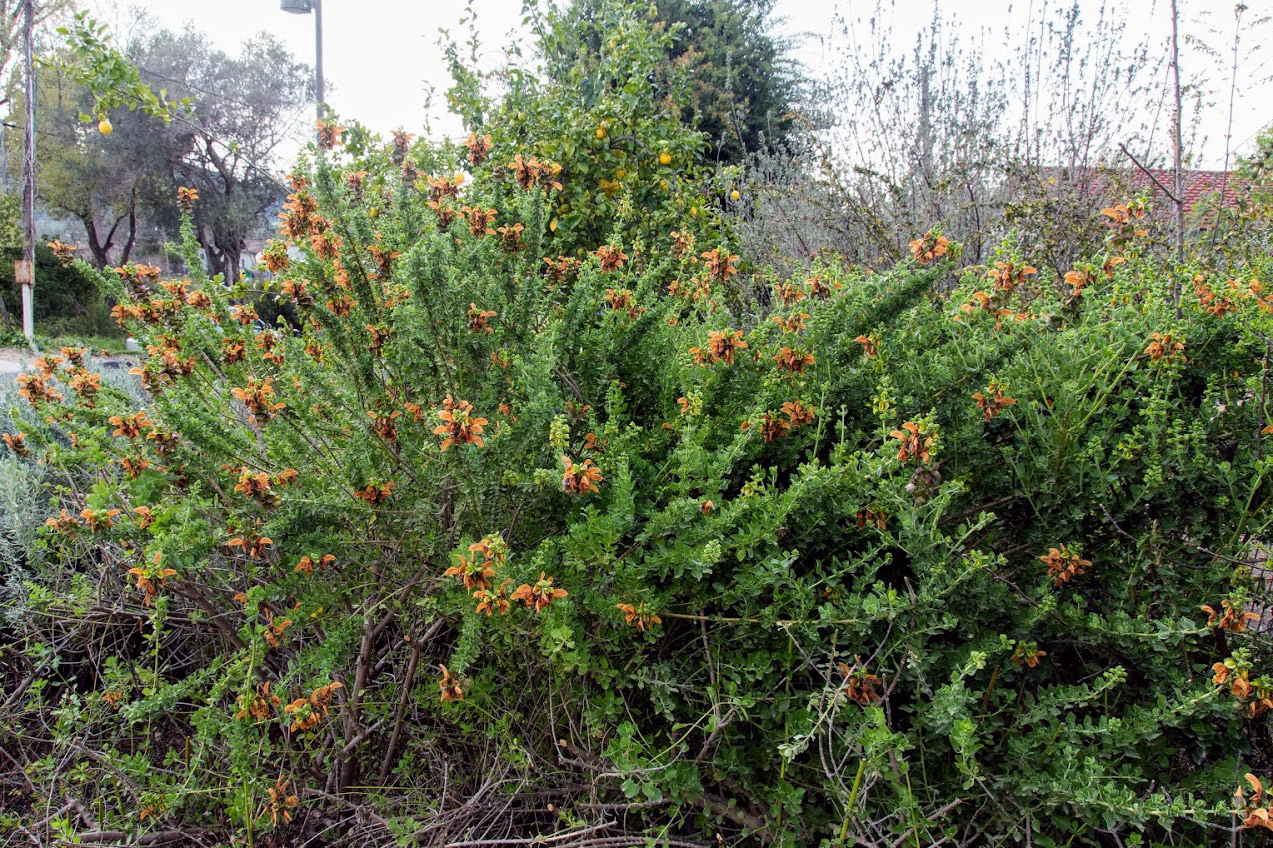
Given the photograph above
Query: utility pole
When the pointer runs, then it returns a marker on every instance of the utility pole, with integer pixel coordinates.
(24, 269)
(1176, 137)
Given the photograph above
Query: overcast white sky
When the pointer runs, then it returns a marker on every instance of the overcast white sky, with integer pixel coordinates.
(381, 55)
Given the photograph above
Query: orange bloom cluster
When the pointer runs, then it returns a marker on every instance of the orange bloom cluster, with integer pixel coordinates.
(721, 265)
(788, 293)
(36, 389)
(63, 252)
(819, 289)
(793, 360)
(281, 802)
(375, 494)
(306, 564)
(1027, 653)
(151, 578)
(791, 324)
(459, 425)
(1165, 350)
(299, 215)
(540, 595)
(580, 479)
(914, 443)
(1079, 279)
(797, 415)
(1257, 812)
(479, 148)
(929, 248)
(612, 258)
(1123, 218)
(560, 269)
(1256, 700)
(310, 712)
(869, 516)
(329, 134)
(450, 685)
(993, 401)
(1007, 275)
(1234, 620)
(260, 705)
(530, 172)
(252, 545)
(478, 571)
(511, 236)
(870, 345)
(859, 685)
(186, 198)
(17, 443)
(722, 346)
(1064, 565)
(480, 220)
(638, 616)
(257, 396)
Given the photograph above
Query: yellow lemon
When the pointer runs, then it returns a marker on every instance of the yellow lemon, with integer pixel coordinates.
(663, 184)
(459, 178)
(552, 225)
(733, 195)
(601, 133)
(620, 173)
(665, 158)
(104, 127)
(694, 211)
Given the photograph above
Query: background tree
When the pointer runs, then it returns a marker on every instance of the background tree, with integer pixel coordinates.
(248, 111)
(743, 86)
(109, 183)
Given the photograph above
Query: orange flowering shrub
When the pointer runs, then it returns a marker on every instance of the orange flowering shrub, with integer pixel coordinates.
(637, 584)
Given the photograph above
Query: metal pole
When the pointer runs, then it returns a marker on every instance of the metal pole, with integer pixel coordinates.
(318, 56)
(27, 276)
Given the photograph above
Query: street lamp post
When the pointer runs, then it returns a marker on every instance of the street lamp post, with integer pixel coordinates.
(304, 7)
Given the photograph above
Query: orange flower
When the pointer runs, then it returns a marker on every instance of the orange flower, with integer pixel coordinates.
(580, 479)
(1233, 620)
(151, 578)
(771, 428)
(870, 345)
(479, 148)
(450, 685)
(63, 252)
(540, 595)
(256, 396)
(99, 519)
(798, 414)
(259, 706)
(1063, 564)
(459, 425)
(993, 401)
(638, 616)
(930, 247)
(17, 443)
(793, 360)
(1007, 276)
(310, 712)
(859, 686)
(720, 265)
(375, 495)
(612, 258)
(328, 134)
(186, 198)
(491, 601)
(281, 802)
(1164, 349)
(913, 442)
(529, 173)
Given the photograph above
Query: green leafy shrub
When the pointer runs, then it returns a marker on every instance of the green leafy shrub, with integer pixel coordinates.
(855, 561)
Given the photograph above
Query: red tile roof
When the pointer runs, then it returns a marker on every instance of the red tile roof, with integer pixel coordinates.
(1198, 185)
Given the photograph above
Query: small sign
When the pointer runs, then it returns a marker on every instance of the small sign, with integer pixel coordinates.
(23, 272)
